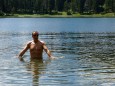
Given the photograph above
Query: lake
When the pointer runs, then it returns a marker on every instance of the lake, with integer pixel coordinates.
(87, 46)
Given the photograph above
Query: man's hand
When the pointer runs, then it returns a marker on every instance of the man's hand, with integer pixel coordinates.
(20, 58)
(52, 58)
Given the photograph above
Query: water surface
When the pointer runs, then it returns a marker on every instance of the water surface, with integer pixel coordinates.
(88, 53)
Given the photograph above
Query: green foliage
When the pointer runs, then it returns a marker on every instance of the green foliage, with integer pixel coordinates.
(1, 13)
(53, 7)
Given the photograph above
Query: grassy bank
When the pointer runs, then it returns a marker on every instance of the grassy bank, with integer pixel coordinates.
(64, 15)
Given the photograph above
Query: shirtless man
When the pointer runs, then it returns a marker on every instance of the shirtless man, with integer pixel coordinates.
(36, 48)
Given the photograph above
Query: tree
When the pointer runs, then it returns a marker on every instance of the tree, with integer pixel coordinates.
(66, 6)
(51, 6)
(108, 5)
(74, 5)
(82, 2)
(89, 6)
(37, 6)
(113, 6)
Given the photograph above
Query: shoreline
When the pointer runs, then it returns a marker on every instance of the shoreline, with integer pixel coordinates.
(107, 15)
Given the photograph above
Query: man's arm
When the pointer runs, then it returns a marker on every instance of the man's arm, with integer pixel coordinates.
(23, 51)
(47, 50)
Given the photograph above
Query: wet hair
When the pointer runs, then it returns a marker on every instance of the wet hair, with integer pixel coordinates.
(35, 32)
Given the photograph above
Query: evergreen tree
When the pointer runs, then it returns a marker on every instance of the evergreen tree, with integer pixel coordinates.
(74, 5)
(82, 3)
(113, 6)
(108, 5)
(89, 6)
(51, 6)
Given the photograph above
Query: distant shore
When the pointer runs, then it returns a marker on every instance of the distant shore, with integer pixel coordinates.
(107, 15)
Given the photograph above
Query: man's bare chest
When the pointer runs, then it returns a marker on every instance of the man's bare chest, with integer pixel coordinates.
(34, 47)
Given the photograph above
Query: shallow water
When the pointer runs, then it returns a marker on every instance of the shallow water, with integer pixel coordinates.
(88, 59)
(85, 51)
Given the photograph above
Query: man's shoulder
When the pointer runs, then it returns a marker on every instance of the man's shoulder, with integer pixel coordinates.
(28, 43)
(42, 42)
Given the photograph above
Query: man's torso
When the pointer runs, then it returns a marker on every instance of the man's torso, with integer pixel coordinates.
(36, 50)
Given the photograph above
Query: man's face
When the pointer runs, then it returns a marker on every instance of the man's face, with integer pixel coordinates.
(35, 35)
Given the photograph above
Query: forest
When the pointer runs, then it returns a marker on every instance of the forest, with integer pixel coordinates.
(54, 7)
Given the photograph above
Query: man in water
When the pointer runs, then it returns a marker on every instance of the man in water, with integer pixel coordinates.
(36, 48)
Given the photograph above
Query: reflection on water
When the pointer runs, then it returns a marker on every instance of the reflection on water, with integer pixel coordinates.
(37, 68)
(89, 59)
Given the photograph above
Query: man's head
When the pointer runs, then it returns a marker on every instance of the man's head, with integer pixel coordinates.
(35, 34)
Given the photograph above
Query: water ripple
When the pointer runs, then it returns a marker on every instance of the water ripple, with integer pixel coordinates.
(88, 60)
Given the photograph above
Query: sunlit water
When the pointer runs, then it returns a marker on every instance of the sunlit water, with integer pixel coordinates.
(88, 59)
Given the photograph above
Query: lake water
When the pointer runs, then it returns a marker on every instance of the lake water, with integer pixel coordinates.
(87, 46)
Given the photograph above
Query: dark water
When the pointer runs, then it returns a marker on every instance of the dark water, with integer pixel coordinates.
(88, 56)
(57, 25)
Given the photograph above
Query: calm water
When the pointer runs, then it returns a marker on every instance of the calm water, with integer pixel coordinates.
(86, 45)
